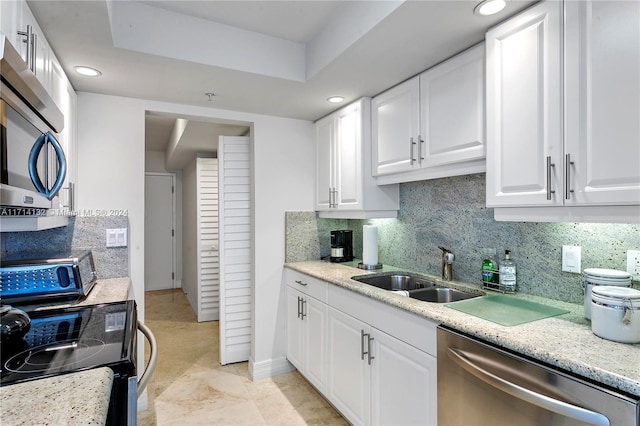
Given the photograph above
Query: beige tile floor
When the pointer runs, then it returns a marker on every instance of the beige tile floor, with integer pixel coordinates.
(190, 387)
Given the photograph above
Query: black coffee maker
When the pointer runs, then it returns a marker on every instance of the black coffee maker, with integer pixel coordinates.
(341, 246)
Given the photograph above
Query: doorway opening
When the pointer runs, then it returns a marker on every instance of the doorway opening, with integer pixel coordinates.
(175, 146)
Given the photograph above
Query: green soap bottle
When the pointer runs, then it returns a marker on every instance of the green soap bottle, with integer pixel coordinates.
(489, 267)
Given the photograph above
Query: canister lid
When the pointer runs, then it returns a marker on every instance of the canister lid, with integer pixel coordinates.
(617, 293)
(607, 273)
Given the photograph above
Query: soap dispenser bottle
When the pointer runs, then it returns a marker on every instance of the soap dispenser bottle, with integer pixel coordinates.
(508, 273)
(489, 267)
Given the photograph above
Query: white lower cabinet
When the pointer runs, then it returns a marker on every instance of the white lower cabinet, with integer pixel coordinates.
(403, 383)
(307, 328)
(377, 379)
(349, 387)
(375, 363)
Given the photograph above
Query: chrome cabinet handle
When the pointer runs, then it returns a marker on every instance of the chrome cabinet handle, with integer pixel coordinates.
(369, 357)
(299, 299)
(301, 283)
(420, 155)
(302, 310)
(549, 166)
(567, 178)
(411, 144)
(34, 49)
(362, 352)
(71, 189)
(535, 398)
(27, 40)
(335, 198)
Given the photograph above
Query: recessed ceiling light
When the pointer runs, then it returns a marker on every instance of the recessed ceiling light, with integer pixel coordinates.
(335, 99)
(87, 71)
(489, 7)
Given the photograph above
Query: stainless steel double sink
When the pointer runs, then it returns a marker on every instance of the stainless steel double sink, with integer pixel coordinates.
(417, 287)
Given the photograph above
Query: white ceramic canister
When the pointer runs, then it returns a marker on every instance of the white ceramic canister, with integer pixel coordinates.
(615, 313)
(598, 276)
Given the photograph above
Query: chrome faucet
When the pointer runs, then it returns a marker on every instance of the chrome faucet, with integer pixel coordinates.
(447, 264)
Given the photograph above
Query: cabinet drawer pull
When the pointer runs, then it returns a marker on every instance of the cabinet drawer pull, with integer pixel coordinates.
(301, 283)
(567, 178)
(299, 300)
(369, 356)
(420, 154)
(549, 166)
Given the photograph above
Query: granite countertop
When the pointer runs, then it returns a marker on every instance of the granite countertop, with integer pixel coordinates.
(104, 291)
(80, 398)
(565, 342)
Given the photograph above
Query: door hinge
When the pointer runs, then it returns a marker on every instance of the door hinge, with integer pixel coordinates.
(172, 189)
(173, 276)
(173, 233)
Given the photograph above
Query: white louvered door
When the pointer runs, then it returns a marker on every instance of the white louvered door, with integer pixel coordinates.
(208, 263)
(235, 249)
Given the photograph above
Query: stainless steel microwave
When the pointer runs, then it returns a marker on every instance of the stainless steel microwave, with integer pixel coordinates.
(33, 165)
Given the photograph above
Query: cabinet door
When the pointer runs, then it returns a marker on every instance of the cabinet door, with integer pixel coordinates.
(396, 121)
(524, 109)
(315, 342)
(403, 383)
(349, 378)
(324, 139)
(10, 21)
(41, 57)
(452, 110)
(602, 81)
(295, 338)
(348, 159)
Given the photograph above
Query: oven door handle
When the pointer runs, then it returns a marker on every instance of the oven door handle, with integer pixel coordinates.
(153, 357)
(528, 395)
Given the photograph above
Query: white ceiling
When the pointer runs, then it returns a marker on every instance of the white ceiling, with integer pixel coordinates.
(282, 58)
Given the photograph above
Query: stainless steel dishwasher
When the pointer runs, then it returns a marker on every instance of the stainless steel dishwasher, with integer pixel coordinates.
(480, 384)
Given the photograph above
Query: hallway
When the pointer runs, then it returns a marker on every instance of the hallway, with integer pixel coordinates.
(190, 387)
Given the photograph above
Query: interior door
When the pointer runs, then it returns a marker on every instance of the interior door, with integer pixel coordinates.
(158, 231)
(235, 242)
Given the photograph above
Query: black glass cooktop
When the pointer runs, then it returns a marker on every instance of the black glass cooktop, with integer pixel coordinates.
(72, 339)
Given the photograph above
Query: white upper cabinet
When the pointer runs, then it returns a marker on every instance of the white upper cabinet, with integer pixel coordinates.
(562, 113)
(344, 185)
(602, 103)
(432, 125)
(452, 110)
(524, 108)
(396, 128)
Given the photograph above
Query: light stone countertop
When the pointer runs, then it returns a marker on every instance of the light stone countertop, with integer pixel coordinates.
(80, 398)
(565, 342)
(104, 291)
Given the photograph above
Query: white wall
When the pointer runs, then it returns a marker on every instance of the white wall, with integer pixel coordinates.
(111, 176)
(190, 234)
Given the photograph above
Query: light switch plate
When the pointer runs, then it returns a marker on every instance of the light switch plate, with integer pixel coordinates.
(571, 259)
(633, 264)
(117, 237)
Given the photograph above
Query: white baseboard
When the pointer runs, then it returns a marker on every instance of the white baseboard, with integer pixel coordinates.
(269, 368)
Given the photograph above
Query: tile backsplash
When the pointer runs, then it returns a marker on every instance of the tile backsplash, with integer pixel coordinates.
(451, 212)
(82, 233)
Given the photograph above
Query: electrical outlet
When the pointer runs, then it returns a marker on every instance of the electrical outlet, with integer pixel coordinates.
(633, 264)
(117, 237)
(571, 259)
